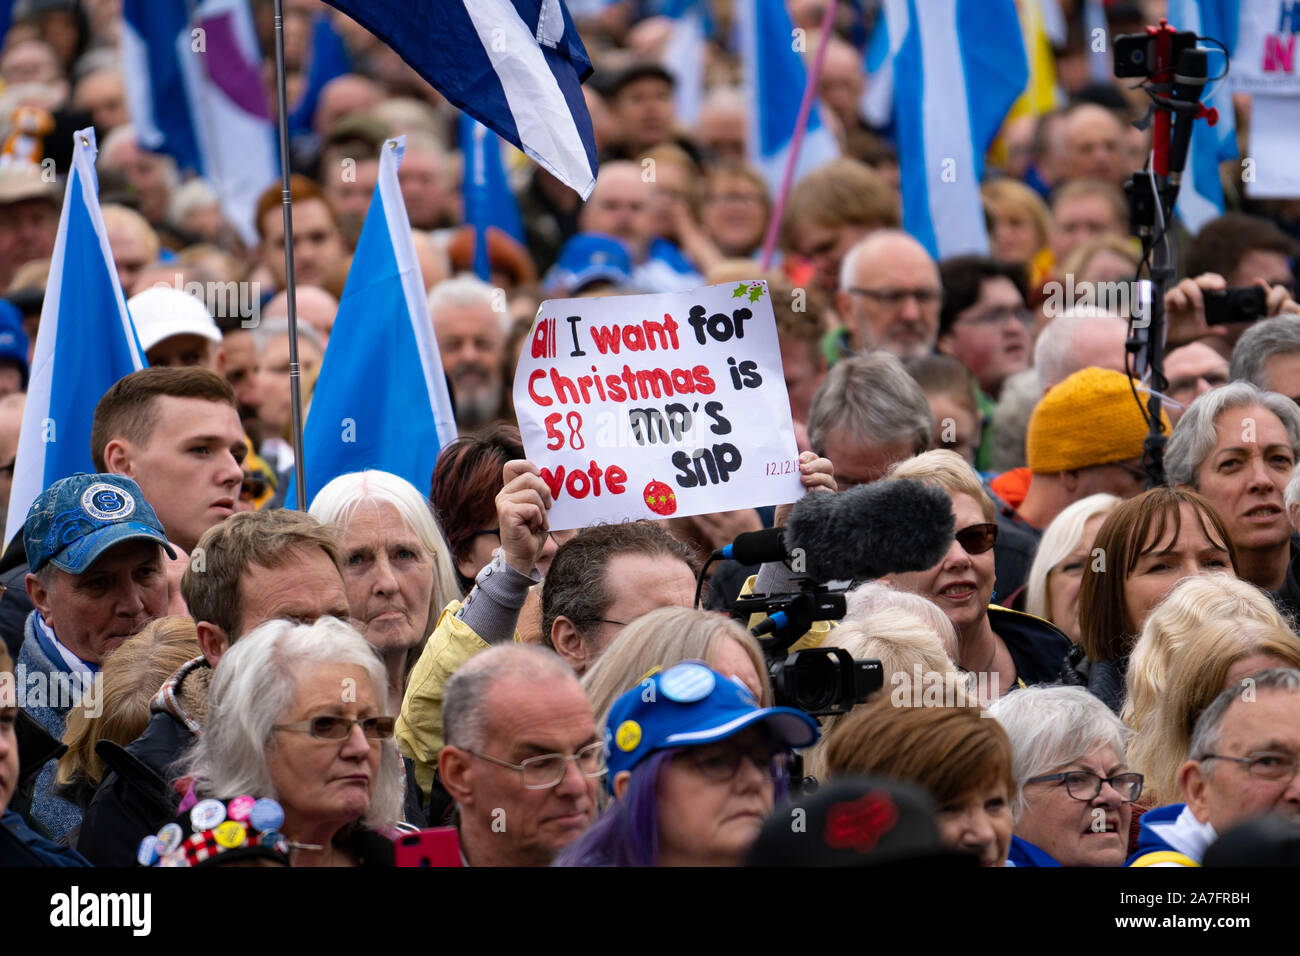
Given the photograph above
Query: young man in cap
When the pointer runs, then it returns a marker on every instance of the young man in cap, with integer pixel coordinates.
(174, 328)
(96, 577)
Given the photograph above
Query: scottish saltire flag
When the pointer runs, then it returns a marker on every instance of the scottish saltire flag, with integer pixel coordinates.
(516, 66)
(685, 55)
(489, 202)
(774, 78)
(329, 59)
(381, 397)
(1200, 197)
(1100, 66)
(85, 344)
(960, 66)
(194, 90)
(883, 44)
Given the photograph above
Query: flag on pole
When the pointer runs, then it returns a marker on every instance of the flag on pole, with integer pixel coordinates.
(883, 44)
(959, 67)
(85, 344)
(194, 91)
(329, 59)
(685, 55)
(489, 201)
(1200, 197)
(516, 66)
(774, 78)
(1040, 23)
(381, 397)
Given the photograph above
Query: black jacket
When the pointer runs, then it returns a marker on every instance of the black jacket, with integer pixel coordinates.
(1287, 598)
(15, 605)
(133, 799)
(1105, 679)
(1037, 648)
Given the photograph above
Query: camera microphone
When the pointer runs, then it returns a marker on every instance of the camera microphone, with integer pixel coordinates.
(1189, 84)
(755, 547)
(885, 527)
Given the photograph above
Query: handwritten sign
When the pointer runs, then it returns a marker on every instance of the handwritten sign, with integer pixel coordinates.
(651, 406)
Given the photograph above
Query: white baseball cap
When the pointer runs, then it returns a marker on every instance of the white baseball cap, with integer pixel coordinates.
(160, 312)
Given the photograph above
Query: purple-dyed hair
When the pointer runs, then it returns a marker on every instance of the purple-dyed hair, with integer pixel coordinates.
(627, 834)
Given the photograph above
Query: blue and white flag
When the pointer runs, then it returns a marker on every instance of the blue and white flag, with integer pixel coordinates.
(85, 344)
(959, 68)
(489, 201)
(516, 66)
(194, 90)
(774, 78)
(1200, 197)
(883, 44)
(329, 59)
(686, 54)
(381, 397)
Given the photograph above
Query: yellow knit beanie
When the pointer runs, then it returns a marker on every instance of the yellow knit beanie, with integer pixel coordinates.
(1089, 419)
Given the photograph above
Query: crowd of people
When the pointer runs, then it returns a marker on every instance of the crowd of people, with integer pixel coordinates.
(1096, 671)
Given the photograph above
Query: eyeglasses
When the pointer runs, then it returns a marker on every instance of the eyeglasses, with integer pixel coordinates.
(995, 317)
(559, 537)
(721, 761)
(1083, 785)
(340, 728)
(977, 538)
(1277, 767)
(547, 770)
(893, 298)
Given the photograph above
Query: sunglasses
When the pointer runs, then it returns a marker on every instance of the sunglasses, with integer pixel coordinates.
(977, 538)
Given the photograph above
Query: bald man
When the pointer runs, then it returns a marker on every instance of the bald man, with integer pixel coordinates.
(890, 294)
(622, 206)
(1095, 145)
(315, 307)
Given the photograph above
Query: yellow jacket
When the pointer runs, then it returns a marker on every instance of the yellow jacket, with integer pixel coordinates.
(813, 637)
(419, 725)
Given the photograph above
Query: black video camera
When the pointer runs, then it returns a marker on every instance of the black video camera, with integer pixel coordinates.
(820, 681)
(1135, 53)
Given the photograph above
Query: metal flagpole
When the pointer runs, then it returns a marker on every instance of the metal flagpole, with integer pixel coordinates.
(800, 126)
(295, 372)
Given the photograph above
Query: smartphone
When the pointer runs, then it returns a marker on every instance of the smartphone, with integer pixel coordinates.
(437, 847)
(1242, 304)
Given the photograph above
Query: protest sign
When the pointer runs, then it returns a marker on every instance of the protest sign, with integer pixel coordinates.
(1264, 58)
(652, 406)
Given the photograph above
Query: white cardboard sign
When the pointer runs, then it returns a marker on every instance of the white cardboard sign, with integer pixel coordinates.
(653, 406)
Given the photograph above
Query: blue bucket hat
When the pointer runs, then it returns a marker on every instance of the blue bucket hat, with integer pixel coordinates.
(689, 705)
(77, 519)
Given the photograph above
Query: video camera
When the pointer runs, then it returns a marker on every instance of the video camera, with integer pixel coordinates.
(862, 534)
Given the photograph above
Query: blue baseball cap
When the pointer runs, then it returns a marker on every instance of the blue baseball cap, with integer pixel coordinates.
(77, 519)
(586, 258)
(689, 705)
